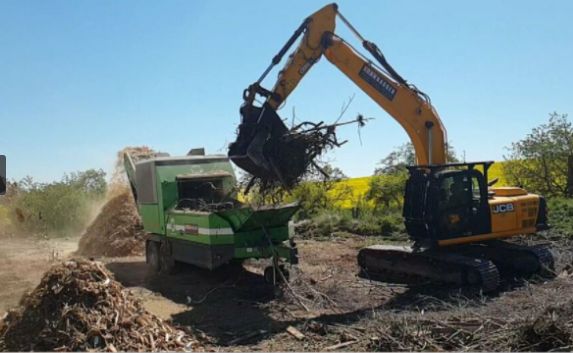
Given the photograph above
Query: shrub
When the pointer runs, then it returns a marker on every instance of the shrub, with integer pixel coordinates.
(561, 215)
(327, 224)
(58, 207)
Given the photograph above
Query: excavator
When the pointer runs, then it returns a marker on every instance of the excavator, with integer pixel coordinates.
(457, 220)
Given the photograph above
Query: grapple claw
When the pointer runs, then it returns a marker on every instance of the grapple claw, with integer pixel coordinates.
(265, 149)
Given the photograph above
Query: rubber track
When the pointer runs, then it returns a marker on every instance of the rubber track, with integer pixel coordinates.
(545, 261)
(489, 276)
(442, 263)
(545, 258)
(488, 272)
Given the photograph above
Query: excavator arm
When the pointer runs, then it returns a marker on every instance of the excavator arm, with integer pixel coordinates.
(262, 133)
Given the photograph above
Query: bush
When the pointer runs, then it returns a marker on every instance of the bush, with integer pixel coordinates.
(387, 190)
(58, 207)
(561, 215)
(327, 224)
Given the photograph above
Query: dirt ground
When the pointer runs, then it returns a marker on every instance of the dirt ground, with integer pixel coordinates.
(234, 309)
(23, 261)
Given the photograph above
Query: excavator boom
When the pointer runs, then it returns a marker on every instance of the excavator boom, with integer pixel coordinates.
(264, 145)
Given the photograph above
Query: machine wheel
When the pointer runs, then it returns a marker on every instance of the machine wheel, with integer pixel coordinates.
(167, 263)
(152, 255)
(270, 274)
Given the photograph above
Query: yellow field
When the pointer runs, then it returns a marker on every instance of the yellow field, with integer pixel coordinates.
(496, 171)
(349, 192)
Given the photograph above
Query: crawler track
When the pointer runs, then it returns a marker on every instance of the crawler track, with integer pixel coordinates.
(513, 260)
(475, 265)
(401, 264)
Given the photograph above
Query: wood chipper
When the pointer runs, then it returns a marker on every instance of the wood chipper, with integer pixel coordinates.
(188, 206)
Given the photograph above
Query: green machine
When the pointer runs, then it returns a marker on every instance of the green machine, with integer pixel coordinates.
(189, 208)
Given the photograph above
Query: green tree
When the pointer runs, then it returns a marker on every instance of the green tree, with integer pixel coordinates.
(315, 193)
(540, 162)
(91, 181)
(404, 156)
(386, 188)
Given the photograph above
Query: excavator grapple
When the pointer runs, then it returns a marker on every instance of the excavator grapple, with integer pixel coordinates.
(267, 149)
(275, 154)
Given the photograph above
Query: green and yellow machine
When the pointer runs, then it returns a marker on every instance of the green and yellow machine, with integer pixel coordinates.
(189, 208)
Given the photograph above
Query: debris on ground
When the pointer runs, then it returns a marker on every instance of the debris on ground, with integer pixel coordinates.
(344, 313)
(116, 231)
(387, 331)
(295, 333)
(78, 306)
(552, 330)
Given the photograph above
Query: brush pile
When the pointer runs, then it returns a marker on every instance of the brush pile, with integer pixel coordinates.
(552, 330)
(78, 306)
(116, 231)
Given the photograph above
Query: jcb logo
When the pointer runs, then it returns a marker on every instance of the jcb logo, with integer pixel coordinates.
(502, 208)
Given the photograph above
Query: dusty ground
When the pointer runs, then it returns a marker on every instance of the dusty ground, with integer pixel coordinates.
(234, 309)
(23, 261)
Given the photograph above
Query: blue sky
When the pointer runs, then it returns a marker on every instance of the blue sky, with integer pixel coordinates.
(79, 80)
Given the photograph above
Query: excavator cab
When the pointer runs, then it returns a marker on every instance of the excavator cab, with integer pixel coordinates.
(446, 201)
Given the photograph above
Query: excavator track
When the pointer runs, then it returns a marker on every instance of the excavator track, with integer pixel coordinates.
(513, 260)
(480, 264)
(402, 265)
(546, 260)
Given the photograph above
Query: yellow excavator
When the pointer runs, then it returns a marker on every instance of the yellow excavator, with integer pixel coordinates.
(455, 217)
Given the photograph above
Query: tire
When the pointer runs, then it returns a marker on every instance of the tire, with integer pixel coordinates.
(270, 275)
(167, 264)
(285, 272)
(152, 255)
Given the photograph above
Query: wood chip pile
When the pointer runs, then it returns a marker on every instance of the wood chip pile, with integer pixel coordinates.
(137, 153)
(116, 231)
(78, 306)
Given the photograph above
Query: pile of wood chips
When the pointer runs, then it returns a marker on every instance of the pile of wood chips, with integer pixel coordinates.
(137, 153)
(116, 231)
(78, 306)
